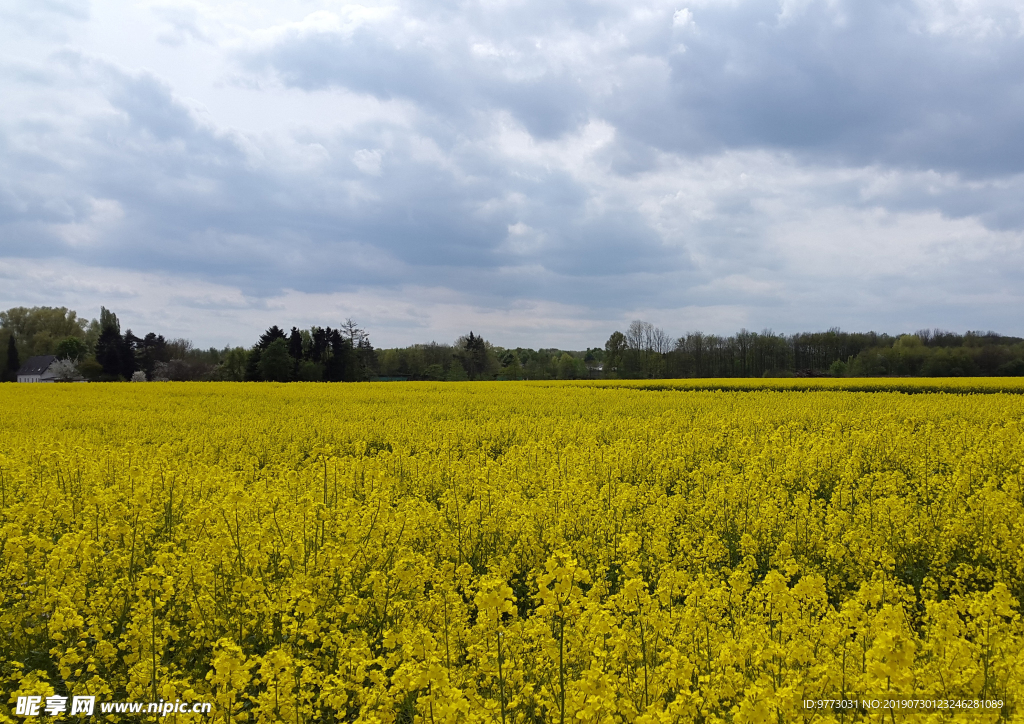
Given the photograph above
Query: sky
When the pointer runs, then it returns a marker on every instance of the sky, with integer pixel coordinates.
(538, 171)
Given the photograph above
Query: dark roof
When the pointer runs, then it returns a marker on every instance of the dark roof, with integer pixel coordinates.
(37, 365)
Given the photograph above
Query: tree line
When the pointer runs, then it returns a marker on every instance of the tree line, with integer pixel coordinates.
(98, 350)
(644, 351)
(317, 354)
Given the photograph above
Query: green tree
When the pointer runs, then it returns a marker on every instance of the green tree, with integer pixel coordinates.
(91, 370)
(838, 368)
(341, 361)
(110, 345)
(234, 364)
(13, 363)
(151, 351)
(92, 334)
(568, 367)
(295, 351)
(614, 349)
(252, 365)
(38, 330)
(366, 357)
(295, 344)
(72, 348)
(275, 364)
(272, 335)
(474, 353)
(908, 354)
(310, 371)
(130, 344)
(512, 369)
(109, 319)
(477, 357)
(457, 373)
(1013, 368)
(392, 363)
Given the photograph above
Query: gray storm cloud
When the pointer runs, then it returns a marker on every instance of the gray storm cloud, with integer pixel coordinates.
(548, 169)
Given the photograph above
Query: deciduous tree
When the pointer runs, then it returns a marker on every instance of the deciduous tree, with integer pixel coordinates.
(38, 330)
(71, 348)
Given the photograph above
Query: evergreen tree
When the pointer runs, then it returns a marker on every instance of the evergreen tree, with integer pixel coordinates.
(129, 344)
(13, 363)
(295, 344)
(367, 359)
(474, 355)
(153, 349)
(108, 352)
(110, 345)
(511, 367)
(340, 367)
(295, 351)
(270, 336)
(252, 365)
(321, 343)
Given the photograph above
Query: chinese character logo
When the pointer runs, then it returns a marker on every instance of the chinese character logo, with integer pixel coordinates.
(28, 705)
(56, 705)
(83, 705)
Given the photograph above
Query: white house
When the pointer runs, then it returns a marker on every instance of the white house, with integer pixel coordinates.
(37, 369)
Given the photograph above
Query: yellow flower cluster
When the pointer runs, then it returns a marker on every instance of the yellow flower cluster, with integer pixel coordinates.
(514, 552)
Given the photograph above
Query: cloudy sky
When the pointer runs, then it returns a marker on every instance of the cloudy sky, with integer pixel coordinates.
(539, 171)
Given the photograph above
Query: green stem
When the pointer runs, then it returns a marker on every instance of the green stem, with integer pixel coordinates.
(501, 679)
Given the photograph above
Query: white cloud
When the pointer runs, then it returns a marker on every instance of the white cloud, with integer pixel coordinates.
(683, 19)
(974, 19)
(367, 161)
(522, 240)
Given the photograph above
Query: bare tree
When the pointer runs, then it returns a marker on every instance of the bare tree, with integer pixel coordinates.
(352, 331)
(647, 344)
(661, 343)
(638, 336)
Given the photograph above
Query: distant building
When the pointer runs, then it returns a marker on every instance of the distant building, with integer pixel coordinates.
(37, 369)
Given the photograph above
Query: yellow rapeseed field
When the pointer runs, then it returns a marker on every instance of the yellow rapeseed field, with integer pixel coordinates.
(515, 552)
